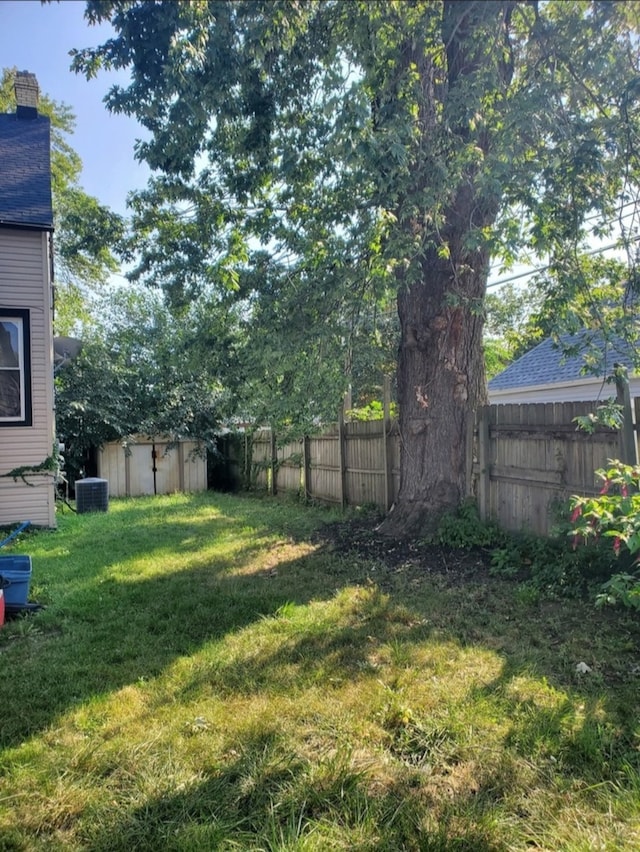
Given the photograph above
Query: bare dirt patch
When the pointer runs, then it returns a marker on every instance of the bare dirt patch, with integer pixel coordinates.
(409, 557)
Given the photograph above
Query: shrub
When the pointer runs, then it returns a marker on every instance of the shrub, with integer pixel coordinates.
(551, 565)
(546, 566)
(613, 516)
(372, 411)
(465, 529)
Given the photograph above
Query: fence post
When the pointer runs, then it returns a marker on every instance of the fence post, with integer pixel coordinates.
(127, 472)
(471, 430)
(628, 448)
(341, 454)
(273, 489)
(348, 399)
(248, 446)
(484, 480)
(386, 430)
(181, 465)
(306, 466)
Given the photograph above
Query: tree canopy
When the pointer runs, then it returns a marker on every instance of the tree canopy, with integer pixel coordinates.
(140, 371)
(313, 160)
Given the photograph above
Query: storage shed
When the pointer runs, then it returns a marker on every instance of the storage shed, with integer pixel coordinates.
(149, 465)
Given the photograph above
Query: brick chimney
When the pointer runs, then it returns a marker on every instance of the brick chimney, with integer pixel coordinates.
(26, 89)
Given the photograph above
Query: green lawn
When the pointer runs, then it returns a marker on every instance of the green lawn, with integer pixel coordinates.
(206, 676)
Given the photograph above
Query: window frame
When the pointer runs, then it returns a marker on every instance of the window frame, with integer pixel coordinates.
(21, 318)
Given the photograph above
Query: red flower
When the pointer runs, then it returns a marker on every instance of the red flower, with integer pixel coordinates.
(616, 545)
(576, 514)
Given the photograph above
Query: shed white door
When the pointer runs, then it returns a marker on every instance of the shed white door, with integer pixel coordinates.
(131, 474)
(144, 480)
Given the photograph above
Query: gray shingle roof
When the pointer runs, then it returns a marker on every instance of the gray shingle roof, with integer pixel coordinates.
(25, 172)
(547, 364)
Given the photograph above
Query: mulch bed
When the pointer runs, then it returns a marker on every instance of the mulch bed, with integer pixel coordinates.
(409, 557)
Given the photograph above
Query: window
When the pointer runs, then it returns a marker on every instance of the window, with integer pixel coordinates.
(15, 368)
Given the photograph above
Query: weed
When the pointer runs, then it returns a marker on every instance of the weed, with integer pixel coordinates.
(464, 528)
(550, 566)
(506, 561)
(528, 595)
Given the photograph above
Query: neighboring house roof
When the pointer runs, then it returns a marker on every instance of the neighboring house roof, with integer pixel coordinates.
(25, 172)
(547, 364)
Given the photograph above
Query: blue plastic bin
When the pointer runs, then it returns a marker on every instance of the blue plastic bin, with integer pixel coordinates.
(17, 570)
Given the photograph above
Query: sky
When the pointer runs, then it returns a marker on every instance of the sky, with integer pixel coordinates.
(38, 39)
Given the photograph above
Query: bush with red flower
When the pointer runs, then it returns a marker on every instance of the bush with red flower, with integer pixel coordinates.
(614, 513)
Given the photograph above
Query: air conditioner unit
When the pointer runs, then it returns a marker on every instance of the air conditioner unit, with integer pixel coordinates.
(92, 495)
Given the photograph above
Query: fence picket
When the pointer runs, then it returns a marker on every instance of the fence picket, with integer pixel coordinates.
(527, 458)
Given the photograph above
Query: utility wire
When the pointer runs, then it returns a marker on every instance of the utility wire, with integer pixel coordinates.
(530, 272)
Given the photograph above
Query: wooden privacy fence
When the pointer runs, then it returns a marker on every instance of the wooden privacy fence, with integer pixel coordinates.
(347, 464)
(526, 459)
(530, 458)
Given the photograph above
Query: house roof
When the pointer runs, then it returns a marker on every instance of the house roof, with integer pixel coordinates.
(25, 172)
(548, 364)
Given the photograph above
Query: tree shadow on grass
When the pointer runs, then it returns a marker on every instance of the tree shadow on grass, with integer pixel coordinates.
(101, 630)
(111, 633)
(268, 797)
(154, 621)
(101, 634)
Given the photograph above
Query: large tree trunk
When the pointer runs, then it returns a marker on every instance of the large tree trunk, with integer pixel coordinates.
(441, 377)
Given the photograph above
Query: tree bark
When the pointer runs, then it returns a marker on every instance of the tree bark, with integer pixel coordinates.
(441, 383)
(441, 376)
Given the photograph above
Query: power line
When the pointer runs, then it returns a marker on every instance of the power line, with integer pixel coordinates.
(537, 269)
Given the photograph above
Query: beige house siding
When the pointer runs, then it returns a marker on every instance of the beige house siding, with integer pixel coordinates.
(130, 474)
(25, 283)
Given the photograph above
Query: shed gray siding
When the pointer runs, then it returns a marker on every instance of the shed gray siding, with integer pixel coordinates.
(25, 283)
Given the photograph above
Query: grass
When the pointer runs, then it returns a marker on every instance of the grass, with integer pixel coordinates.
(206, 677)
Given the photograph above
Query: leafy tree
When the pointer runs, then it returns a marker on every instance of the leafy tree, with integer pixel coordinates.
(317, 156)
(86, 232)
(140, 371)
(598, 295)
(509, 330)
